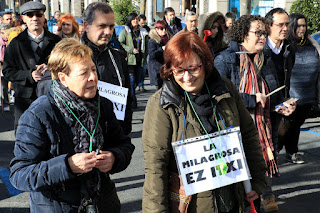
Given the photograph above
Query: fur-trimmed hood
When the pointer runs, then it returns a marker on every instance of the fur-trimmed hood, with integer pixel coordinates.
(155, 36)
(206, 20)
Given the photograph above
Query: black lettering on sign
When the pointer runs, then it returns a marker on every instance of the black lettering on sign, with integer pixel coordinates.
(230, 167)
(211, 147)
(119, 107)
(200, 174)
(190, 178)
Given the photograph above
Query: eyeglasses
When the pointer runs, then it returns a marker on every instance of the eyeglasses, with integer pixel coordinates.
(281, 25)
(260, 33)
(31, 14)
(192, 70)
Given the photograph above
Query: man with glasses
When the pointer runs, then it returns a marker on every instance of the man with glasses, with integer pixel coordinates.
(279, 56)
(26, 57)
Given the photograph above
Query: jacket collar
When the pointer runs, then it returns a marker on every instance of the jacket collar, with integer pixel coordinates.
(93, 47)
(173, 94)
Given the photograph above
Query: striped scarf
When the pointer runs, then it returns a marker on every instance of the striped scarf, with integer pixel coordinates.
(251, 84)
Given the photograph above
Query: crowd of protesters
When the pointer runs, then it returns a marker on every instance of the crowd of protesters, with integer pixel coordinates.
(216, 71)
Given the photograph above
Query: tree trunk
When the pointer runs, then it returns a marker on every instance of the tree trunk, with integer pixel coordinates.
(245, 7)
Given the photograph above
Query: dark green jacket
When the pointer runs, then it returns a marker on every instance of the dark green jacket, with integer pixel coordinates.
(163, 124)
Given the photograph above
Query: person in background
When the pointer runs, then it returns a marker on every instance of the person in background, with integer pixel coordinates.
(7, 18)
(303, 84)
(280, 55)
(4, 34)
(26, 57)
(174, 23)
(134, 40)
(143, 22)
(68, 27)
(188, 71)
(52, 23)
(159, 37)
(99, 27)
(244, 64)
(81, 29)
(191, 20)
(230, 19)
(215, 23)
(72, 138)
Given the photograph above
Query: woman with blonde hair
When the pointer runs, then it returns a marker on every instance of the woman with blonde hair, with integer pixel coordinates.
(68, 27)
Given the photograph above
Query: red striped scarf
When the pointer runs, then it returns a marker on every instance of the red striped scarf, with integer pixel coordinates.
(250, 84)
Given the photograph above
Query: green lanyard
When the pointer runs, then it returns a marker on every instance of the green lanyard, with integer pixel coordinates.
(94, 130)
(222, 164)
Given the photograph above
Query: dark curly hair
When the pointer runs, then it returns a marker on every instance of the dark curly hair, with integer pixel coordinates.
(241, 27)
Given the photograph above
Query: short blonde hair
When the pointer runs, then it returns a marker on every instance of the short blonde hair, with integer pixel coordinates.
(68, 50)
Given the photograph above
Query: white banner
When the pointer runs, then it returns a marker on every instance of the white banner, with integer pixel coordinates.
(207, 164)
(117, 95)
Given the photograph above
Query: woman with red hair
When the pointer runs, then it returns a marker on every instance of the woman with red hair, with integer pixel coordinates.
(68, 27)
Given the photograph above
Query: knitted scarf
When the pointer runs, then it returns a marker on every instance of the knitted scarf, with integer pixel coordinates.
(251, 84)
(87, 113)
(3, 45)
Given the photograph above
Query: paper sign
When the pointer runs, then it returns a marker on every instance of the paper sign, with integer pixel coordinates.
(117, 95)
(54, 29)
(205, 164)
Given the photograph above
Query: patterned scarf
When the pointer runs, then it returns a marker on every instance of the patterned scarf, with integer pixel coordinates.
(87, 113)
(251, 84)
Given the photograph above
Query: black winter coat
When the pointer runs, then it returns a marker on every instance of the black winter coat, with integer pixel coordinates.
(19, 62)
(44, 141)
(107, 73)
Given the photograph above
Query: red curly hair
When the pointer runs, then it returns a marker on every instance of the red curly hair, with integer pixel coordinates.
(75, 25)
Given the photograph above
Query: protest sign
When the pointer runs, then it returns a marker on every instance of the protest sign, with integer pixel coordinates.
(117, 95)
(205, 164)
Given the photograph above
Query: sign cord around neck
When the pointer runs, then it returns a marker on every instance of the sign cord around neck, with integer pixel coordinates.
(94, 130)
(116, 67)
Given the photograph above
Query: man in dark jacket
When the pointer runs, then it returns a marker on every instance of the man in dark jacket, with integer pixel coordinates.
(27, 55)
(280, 54)
(174, 23)
(99, 26)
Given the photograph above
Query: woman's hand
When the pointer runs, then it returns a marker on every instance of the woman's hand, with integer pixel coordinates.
(105, 161)
(287, 108)
(261, 98)
(82, 162)
(251, 196)
(135, 51)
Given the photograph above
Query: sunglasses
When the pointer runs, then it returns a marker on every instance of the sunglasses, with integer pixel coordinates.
(31, 14)
(161, 28)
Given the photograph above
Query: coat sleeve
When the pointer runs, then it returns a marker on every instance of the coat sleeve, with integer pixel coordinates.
(11, 70)
(123, 41)
(156, 140)
(224, 70)
(251, 145)
(154, 50)
(33, 168)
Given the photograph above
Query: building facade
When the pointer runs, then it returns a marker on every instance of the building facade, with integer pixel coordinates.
(260, 7)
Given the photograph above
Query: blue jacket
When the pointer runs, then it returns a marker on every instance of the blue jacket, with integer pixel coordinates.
(44, 142)
(228, 65)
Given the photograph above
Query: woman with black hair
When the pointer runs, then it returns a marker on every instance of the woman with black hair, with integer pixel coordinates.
(216, 24)
(134, 40)
(303, 85)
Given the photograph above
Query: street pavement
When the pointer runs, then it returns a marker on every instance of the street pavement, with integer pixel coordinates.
(297, 189)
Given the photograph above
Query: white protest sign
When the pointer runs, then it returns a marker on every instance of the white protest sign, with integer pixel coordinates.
(117, 95)
(54, 29)
(209, 164)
